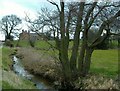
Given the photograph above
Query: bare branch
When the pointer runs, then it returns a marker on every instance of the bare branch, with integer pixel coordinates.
(52, 2)
(116, 34)
(89, 12)
(110, 20)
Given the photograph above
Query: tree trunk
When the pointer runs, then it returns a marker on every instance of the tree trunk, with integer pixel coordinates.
(65, 61)
(74, 55)
(87, 61)
(63, 52)
(7, 37)
(81, 58)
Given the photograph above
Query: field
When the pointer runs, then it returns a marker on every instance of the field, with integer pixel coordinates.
(105, 62)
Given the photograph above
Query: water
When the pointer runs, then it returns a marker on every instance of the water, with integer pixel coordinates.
(19, 70)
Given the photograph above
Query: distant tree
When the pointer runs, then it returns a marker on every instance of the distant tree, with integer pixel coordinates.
(9, 24)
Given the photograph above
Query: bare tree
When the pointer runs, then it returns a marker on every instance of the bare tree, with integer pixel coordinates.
(10, 25)
(80, 17)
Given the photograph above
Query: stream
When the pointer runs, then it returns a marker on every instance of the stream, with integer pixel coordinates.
(40, 83)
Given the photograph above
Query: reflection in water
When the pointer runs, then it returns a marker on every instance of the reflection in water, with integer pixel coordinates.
(19, 69)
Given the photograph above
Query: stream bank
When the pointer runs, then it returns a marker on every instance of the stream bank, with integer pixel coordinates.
(42, 65)
(45, 66)
(40, 83)
(10, 80)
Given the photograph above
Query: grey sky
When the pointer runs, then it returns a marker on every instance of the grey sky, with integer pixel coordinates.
(19, 7)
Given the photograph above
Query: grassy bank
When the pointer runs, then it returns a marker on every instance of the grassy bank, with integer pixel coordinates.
(9, 79)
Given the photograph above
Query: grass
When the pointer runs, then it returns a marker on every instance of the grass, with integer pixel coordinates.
(9, 79)
(43, 45)
(22, 43)
(105, 62)
(0, 68)
(6, 61)
(7, 85)
(38, 44)
(12, 81)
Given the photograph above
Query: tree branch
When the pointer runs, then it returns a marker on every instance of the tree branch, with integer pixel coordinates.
(110, 20)
(89, 12)
(54, 4)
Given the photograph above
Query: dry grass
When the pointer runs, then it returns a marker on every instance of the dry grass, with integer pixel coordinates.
(38, 63)
(97, 82)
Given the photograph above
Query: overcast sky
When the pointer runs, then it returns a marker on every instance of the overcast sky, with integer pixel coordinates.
(19, 7)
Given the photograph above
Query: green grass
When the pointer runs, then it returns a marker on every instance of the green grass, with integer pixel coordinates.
(44, 45)
(105, 62)
(6, 61)
(22, 43)
(38, 44)
(9, 79)
(6, 85)
(13, 81)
